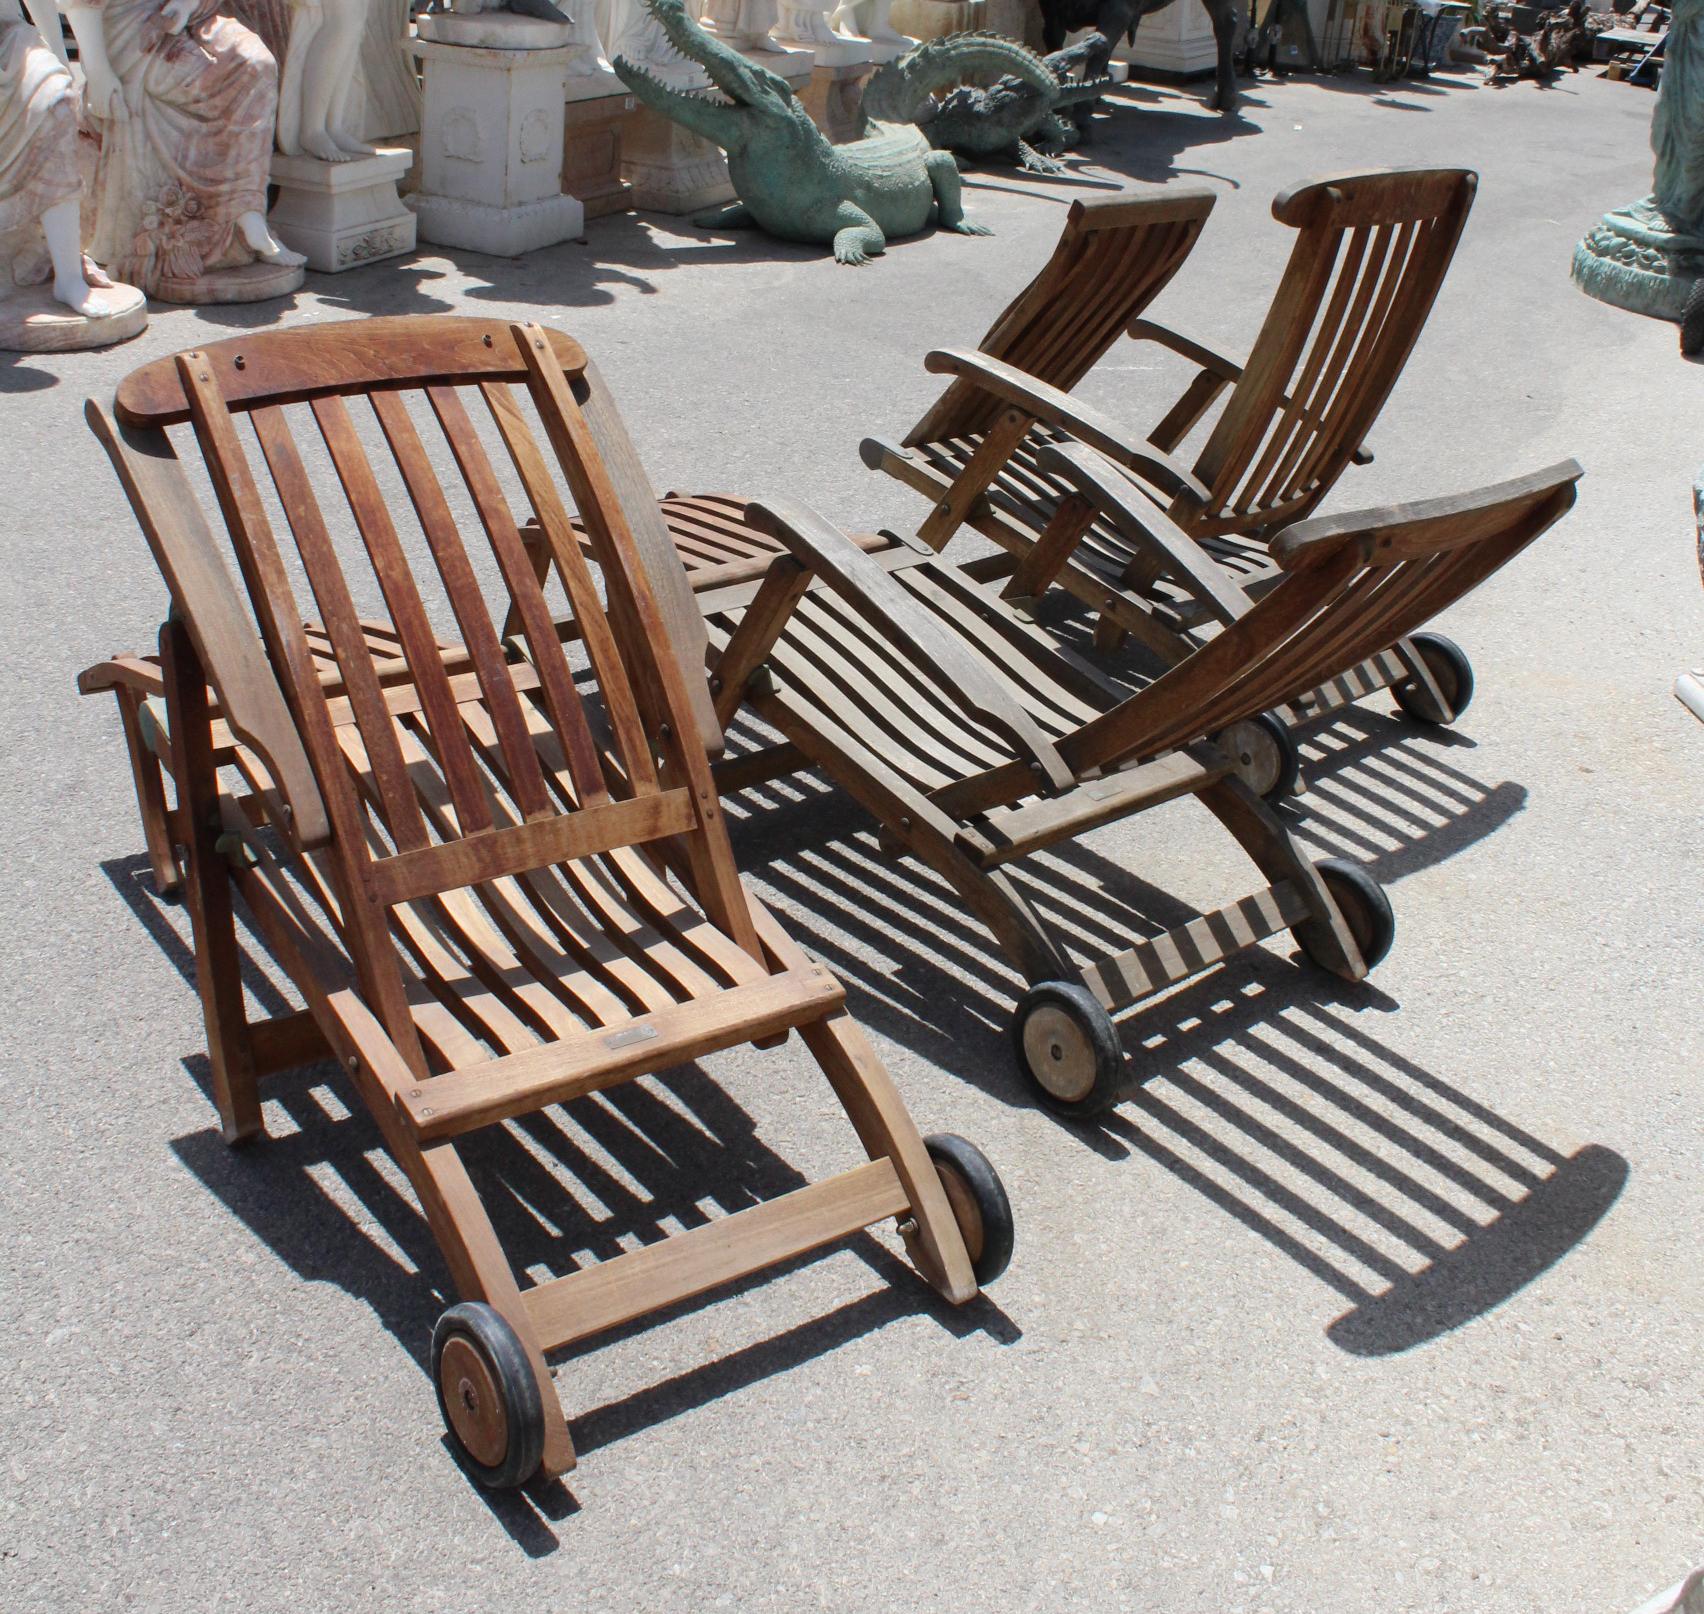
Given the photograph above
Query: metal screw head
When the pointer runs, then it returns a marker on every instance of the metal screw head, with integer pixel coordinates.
(907, 1229)
(240, 362)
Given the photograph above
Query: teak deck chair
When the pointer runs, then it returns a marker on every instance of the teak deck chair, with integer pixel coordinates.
(975, 741)
(461, 860)
(1115, 255)
(1370, 254)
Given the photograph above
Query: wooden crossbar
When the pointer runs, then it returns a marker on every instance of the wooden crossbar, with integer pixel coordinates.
(731, 1247)
(1156, 963)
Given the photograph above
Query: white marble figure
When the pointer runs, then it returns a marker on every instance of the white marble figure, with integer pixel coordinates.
(871, 20)
(317, 44)
(40, 190)
(743, 24)
(628, 29)
(185, 101)
(804, 25)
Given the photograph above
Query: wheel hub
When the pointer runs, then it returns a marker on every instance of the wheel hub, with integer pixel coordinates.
(1060, 1056)
(474, 1406)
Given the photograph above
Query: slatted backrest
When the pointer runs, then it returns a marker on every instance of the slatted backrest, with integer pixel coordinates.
(446, 802)
(1362, 277)
(1356, 584)
(1115, 255)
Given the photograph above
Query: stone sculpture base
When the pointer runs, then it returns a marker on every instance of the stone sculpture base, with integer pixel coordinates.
(33, 320)
(594, 121)
(491, 143)
(247, 283)
(1632, 257)
(672, 170)
(342, 214)
(934, 19)
(834, 98)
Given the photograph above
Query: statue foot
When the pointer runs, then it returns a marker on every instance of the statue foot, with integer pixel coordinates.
(265, 245)
(965, 227)
(320, 144)
(353, 145)
(92, 302)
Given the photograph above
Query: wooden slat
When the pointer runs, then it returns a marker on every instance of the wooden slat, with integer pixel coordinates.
(555, 1072)
(719, 1252)
(495, 852)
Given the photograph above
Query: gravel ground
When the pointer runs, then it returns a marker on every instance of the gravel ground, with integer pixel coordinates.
(1378, 1298)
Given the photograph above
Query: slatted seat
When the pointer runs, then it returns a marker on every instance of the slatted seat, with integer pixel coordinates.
(1371, 252)
(499, 879)
(976, 742)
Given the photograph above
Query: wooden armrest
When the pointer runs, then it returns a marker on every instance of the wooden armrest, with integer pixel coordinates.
(1177, 555)
(212, 610)
(822, 549)
(1047, 403)
(135, 673)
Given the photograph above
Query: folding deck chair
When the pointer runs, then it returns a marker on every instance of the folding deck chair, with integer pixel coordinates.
(1371, 252)
(975, 740)
(460, 859)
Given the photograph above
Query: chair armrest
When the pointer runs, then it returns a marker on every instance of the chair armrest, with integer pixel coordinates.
(225, 641)
(1047, 403)
(1147, 526)
(823, 550)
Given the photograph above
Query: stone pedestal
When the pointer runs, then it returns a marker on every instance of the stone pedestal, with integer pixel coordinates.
(871, 22)
(934, 19)
(671, 169)
(803, 25)
(1635, 258)
(834, 98)
(492, 135)
(342, 214)
(32, 320)
(595, 120)
(1176, 43)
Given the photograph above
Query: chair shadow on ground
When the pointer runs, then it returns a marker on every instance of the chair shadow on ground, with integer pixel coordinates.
(1263, 1087)
(564, 1188)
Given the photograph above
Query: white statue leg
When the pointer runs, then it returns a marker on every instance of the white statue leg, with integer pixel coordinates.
(63, 229)
(332, 55)
(349, 19)
(265, 245)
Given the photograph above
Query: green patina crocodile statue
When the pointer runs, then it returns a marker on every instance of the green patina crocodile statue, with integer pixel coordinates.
(1017, 116)
(790, 181)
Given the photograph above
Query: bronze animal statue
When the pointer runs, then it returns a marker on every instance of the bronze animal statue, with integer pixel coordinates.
(1112, 18)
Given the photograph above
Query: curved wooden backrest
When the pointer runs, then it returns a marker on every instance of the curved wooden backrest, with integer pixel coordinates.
(1115, 256)
(1356, 584)
(1371, 253)
(454, 776)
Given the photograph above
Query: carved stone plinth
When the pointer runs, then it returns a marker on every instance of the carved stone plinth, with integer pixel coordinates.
(247, 283)
(1634, 258)
(804, 25)
(343, 215)
(595, 123)
(1175, 43)
(934, 19)
(32, 320)
(672, 170)
(491, 144)
(834, 99)
(872, 22)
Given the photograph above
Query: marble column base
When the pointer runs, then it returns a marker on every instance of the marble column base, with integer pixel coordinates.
(503, 232)
(670, 169)
(247, 283)
(33, 320)
(1634, 258)
(342, 214)
(834, 98)
(595, 122)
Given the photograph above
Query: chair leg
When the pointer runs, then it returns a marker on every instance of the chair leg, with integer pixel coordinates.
(148, 776)
(218, 977)
(885, 1128)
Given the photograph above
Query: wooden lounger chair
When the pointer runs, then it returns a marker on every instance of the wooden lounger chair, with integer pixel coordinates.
(1115, 255)
(472, 901)
(975, 741)
(1370, 254)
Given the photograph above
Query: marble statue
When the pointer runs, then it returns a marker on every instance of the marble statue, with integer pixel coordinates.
(1649, 255)
(317, 45)
(185, 102)
(40, 203)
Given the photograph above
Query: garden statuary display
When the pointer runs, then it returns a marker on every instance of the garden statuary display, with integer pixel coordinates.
(790, 181)
(1649, 255)
(1113, 19)
(52, 298)
(1017, 116)
(872, 21)
(185, 101)
(317, 45)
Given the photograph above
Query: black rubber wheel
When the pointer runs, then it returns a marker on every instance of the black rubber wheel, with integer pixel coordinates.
(1364, 906)
(1068, 1047)
(1265, 754)
(1447, 662)
(488, 1395)
(978, 1199)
